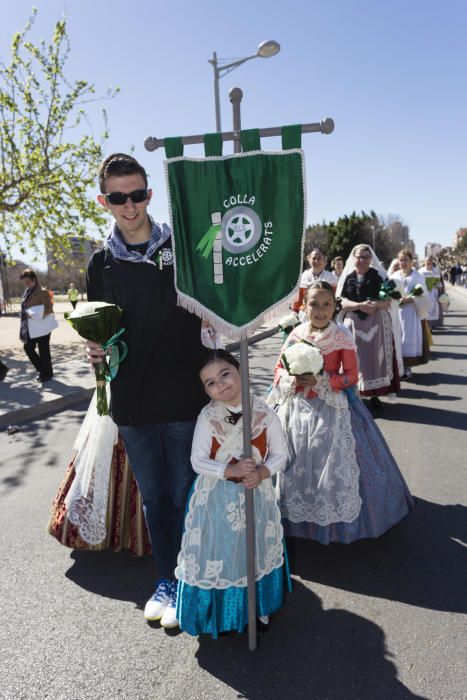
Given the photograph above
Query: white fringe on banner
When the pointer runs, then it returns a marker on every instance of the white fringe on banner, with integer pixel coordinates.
(228, 329)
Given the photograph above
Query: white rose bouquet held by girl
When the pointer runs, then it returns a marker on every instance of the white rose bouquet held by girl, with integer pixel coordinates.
(303, 358)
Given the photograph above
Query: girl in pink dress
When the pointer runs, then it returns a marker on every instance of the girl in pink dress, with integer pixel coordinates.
(341, 482)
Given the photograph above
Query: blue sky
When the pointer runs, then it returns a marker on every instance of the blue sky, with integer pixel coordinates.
(391, 73)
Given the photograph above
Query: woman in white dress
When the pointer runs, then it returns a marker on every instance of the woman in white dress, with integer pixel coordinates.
(433, 283)
(412, 312)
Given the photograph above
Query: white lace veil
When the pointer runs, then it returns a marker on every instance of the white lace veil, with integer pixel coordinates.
(350, 266)
(392, 267)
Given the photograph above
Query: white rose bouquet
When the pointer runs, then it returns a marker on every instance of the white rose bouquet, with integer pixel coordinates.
(288, 322)
(303, 358)
(444, 300)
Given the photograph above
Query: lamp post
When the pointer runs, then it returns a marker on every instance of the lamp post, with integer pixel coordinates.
(374, 237)
(265, 50)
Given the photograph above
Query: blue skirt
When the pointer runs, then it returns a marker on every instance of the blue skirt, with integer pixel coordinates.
(201, 611)
(386, 500)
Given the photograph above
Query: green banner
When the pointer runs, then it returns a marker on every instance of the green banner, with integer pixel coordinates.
(238, 224)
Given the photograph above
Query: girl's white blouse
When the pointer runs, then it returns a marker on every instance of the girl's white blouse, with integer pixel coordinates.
(202, 444)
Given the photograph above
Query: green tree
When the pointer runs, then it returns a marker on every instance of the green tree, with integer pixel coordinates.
(349, 231)
(461, 247)
(48, 154)
(387, 236)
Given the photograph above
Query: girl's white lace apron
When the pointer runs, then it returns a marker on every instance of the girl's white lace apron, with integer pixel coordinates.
(321, 481)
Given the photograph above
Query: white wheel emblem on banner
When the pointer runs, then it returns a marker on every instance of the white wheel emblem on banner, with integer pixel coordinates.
(241, 230)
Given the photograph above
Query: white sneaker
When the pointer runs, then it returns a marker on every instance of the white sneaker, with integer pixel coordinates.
(169, 618)
(158, 602)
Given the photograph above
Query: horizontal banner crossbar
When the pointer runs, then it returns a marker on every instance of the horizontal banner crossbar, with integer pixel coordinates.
(325, 126)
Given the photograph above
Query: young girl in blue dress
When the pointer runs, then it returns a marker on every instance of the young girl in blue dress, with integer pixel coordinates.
(212, 589)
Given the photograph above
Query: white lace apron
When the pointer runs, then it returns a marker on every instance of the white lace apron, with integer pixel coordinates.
(213, 551)
(321, 481)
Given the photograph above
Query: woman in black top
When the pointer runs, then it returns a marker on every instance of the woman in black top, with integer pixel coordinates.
(370, 321)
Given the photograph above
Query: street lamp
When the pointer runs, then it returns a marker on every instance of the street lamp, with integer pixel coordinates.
(265, 50)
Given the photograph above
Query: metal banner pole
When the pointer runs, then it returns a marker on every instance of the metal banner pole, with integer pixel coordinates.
(235, 96)
(325, 126)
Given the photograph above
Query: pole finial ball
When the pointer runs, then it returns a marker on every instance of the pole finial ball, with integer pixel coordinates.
(327, 126)
(150, 143)
(235, 94)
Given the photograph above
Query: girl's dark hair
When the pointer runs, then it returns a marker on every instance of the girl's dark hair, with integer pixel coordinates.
(30, 274)
(320, 284)
(215, 355)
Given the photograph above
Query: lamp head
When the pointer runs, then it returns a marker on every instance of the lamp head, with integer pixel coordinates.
(268, 48)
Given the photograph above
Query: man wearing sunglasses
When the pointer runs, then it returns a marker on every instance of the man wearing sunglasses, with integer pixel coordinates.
(156, 395)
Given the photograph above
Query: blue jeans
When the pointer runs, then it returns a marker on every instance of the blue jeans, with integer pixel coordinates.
(160, 459)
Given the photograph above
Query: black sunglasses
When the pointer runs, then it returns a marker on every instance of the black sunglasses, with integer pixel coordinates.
(137, 196)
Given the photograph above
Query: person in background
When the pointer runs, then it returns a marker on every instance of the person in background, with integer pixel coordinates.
(455, 273)
(434, 286)
(316, 272)
(370, 321)
(337, 265)
(73, 295)
(37, 323)
(412, 313)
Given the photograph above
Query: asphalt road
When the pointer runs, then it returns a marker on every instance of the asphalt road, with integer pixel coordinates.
(376, 620)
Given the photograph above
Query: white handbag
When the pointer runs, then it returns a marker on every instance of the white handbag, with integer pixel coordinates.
(38, 324)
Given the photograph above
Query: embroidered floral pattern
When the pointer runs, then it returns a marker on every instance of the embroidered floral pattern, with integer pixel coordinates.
(319, 486)
(236, 513)
(213, 568)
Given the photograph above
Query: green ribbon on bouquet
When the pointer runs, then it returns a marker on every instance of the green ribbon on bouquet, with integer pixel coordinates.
(116, 351)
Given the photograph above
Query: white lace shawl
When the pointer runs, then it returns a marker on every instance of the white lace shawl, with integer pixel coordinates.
(230, 437)
(334, 337)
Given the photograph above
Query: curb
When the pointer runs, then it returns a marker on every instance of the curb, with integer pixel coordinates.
(21, 415)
